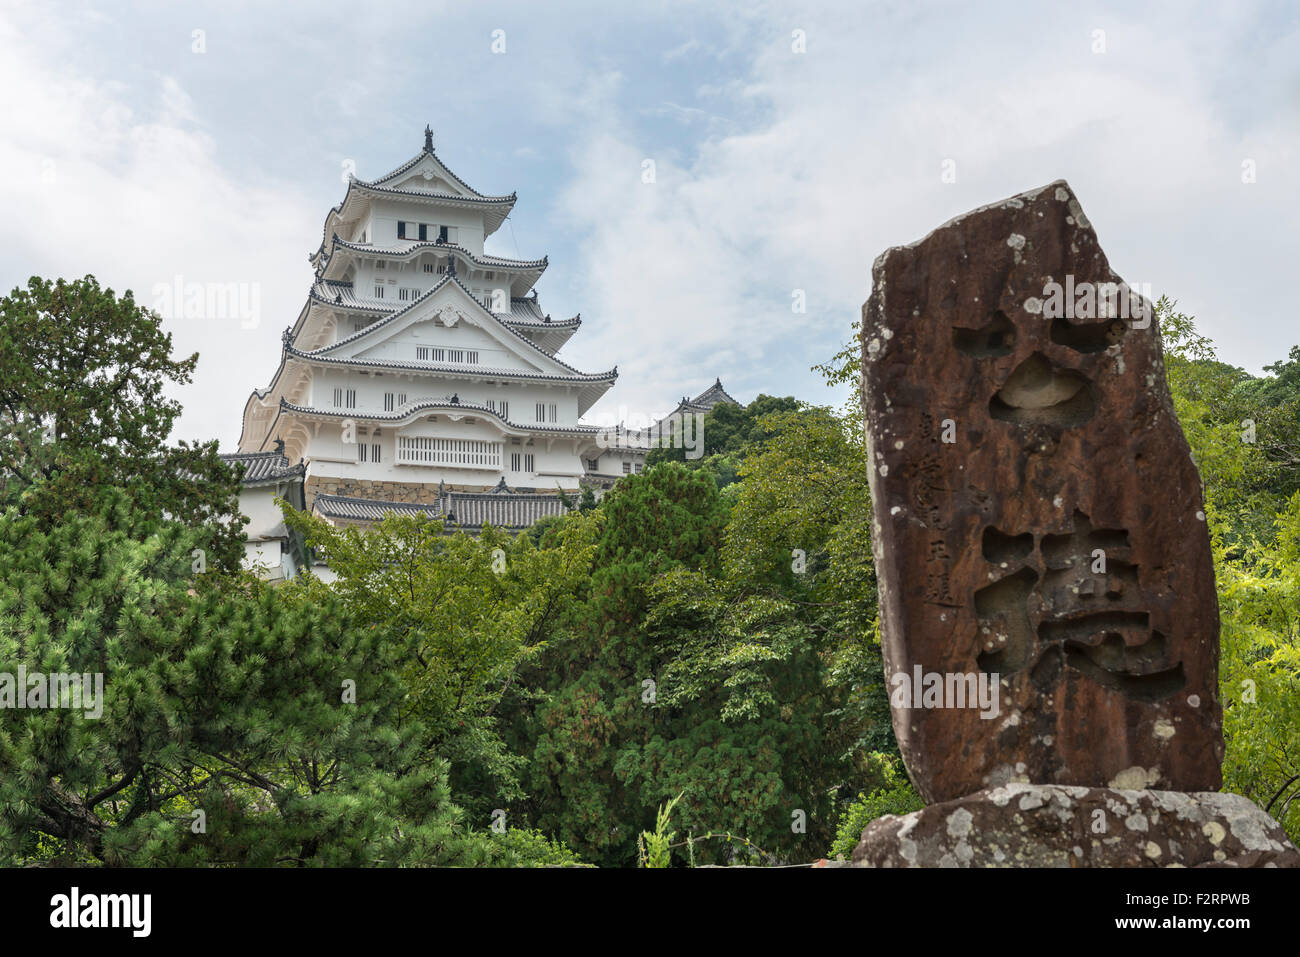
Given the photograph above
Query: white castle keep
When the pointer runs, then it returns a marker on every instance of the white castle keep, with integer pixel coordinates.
(422, 373)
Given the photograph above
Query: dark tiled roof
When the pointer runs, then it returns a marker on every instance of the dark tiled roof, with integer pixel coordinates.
(471, 510)
(495, 262)
(524, 311)
(263, 466)
(335, 292)
(706, 400)
(444, 197)
(502, 509)
(369, 510)
(415, 161)
(712, 396)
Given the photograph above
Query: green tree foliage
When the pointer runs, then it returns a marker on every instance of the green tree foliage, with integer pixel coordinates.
(1244, 431)
(521, 847)
(83, 405)
(226, 735)
(726, 657)
(727, 431)
(238, 724)
(465, 612)
(687, 670)
(588, 741)
(1259, 672)
(1252, 492)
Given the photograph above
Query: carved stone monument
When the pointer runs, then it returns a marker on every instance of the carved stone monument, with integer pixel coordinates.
(1047, 596)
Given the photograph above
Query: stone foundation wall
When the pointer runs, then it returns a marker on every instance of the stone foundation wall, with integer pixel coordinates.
(413, 493)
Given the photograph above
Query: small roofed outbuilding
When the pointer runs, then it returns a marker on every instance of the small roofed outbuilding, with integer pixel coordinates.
(272, 550)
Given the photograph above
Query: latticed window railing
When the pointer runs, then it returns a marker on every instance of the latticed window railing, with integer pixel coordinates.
(464, 453)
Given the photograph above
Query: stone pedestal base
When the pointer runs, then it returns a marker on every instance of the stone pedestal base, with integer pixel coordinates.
(1039, 825)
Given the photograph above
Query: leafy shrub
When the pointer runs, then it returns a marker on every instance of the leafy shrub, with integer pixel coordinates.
(893, 795)
(521, 847)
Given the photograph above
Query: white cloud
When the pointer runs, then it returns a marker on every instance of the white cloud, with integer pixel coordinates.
(845, 160)
(139, 197)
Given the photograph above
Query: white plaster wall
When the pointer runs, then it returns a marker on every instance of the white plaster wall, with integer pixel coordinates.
(522, 397)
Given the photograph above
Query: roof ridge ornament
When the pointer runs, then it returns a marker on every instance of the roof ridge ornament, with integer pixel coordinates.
(428, 138)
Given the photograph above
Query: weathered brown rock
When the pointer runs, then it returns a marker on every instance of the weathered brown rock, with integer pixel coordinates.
(1029, 825)
(1037, 513)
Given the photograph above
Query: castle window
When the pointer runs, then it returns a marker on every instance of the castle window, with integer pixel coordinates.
(388, 402)
(529, 465)
(401, 229)
(424, 232)
(627, 468)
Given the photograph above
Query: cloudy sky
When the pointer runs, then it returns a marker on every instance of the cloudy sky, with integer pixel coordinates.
(791, 144)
